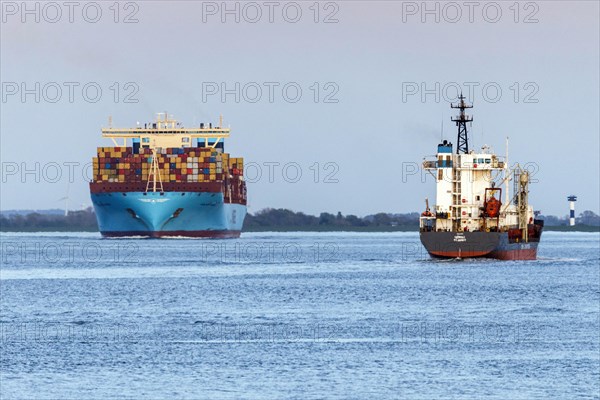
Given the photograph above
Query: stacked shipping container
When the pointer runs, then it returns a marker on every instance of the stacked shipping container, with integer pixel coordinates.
(189, 164)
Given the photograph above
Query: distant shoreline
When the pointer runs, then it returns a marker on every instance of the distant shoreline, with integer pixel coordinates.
(272, 220)
(367, 229)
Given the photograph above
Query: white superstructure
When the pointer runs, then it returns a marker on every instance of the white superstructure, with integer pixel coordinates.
(468, 193)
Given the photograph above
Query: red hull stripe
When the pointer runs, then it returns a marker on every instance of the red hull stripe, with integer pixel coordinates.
(238, 194)
(528, 254)
(525, 254)
(159, 234)
(455, 254)
(108, 187)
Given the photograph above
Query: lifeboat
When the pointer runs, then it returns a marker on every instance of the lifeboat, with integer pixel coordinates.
(492, 207)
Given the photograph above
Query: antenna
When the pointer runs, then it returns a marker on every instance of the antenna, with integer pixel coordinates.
(507, 176)
(442, 130)
(221, 121)
(462, 144)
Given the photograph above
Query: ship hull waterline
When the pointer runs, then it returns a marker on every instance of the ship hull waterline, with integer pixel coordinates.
(168, 214)
(494, 245)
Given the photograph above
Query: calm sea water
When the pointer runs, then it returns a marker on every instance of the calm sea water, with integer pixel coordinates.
(295, 315)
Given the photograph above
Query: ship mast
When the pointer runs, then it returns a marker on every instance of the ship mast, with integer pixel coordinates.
(462, 143)
(506, 176)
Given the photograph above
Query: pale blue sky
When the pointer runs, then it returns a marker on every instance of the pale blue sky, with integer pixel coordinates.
(370, 55)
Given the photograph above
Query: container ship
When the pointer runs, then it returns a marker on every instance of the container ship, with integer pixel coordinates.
(168, 181)
(474, 216)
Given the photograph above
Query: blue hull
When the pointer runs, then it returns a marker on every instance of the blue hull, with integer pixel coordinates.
(155, 214)
(515, 251)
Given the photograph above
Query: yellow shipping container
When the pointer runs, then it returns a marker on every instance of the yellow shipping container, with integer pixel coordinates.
(213, 177)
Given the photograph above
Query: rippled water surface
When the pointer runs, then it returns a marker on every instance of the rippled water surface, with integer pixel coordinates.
(295, 315)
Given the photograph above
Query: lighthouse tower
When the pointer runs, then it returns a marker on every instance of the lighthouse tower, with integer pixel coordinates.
(572, 199)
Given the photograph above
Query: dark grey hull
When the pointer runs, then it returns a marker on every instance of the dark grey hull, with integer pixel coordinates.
(460, 244)
(481, 244)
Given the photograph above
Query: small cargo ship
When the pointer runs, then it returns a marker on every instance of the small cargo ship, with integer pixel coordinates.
(165, 180)
(471, 218)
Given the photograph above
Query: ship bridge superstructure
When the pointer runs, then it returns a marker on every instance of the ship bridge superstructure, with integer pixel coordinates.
(469, 192)
(166, 132)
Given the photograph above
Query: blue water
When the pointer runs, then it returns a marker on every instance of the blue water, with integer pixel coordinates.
(295, 315)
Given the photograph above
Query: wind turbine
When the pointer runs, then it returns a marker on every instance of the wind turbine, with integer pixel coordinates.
(66, 199)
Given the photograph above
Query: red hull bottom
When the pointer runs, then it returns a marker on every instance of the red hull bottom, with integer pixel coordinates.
(521, 254)
(461, 254)
(161, 234)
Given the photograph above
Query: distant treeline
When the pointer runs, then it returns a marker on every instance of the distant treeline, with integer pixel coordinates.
(75, 221)
(282, 219)
(587, 217)
(267, 219)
